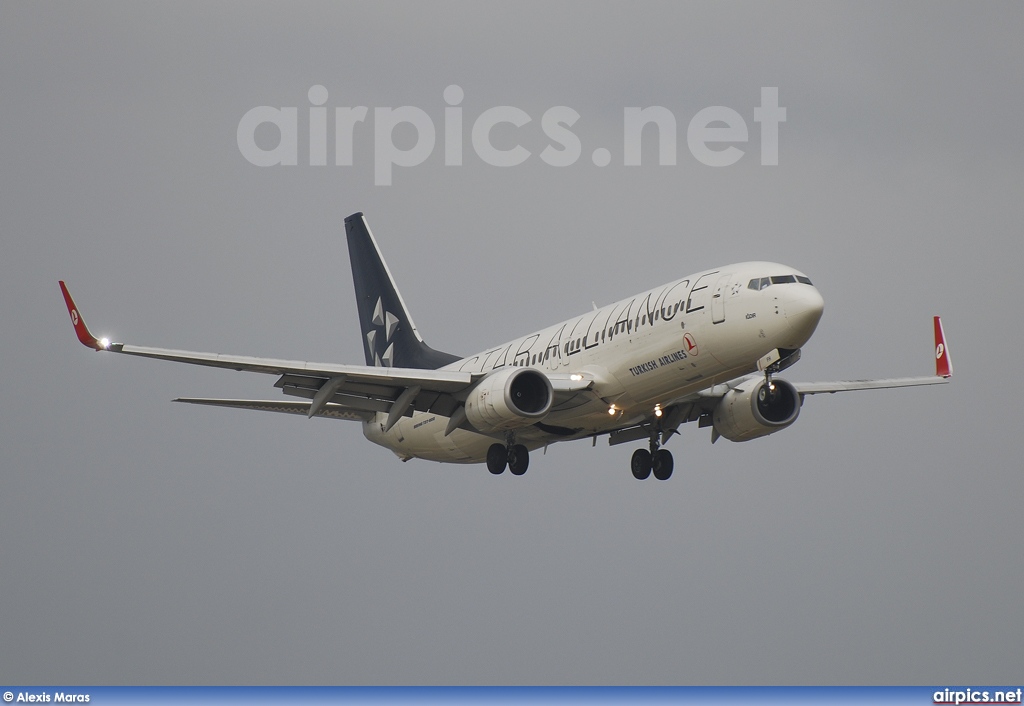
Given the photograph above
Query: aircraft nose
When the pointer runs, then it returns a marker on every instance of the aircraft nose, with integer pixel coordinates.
(803, 308)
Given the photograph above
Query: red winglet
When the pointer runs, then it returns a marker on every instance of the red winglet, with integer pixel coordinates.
(943, 365)
(84, 335)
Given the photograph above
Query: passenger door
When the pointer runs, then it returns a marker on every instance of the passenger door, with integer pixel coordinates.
(718, 299)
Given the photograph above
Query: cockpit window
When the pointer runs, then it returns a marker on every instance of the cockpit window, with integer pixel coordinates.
(759, 283)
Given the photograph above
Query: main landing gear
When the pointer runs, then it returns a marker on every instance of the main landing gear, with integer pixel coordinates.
(515, 456)
(657, 460)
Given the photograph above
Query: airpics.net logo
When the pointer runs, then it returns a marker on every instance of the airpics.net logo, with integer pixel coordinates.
(714, 135)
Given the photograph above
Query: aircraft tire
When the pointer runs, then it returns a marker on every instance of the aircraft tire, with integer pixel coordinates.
(640, 464)
(518, 459)
(497, 458)
(662, 464)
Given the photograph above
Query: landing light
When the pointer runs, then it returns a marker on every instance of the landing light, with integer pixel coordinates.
(612, 410)
(105, 342)
(575, 378)
(657, 410)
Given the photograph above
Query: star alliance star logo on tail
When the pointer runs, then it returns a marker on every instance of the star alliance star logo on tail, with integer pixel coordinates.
(389, 324)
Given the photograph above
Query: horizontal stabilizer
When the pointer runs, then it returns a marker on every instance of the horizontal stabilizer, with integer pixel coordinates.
(334, 411)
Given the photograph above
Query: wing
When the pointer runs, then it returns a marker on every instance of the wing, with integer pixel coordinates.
(338, 391)
(699, 406)
(355, 392)
(818, 388)
(943, 373)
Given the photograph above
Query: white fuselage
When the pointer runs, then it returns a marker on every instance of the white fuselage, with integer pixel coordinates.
(643, 352)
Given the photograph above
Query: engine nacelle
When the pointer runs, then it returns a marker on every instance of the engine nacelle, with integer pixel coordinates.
(511, 398)
(755, 410)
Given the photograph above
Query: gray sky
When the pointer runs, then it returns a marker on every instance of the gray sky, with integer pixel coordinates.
(876, 541)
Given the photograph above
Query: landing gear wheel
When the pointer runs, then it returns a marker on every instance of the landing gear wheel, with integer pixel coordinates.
(662, 464)
(640, 464)
(518, 459)
(497, 457)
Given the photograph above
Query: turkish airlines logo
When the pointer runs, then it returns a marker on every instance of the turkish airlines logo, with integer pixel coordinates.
(74, 317)
(939, 350)
(691, 345)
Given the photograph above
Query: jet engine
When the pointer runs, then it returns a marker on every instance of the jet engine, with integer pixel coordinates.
(511, 398)
(756, 409)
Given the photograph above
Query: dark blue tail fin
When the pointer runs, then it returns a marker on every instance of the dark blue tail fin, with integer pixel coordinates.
(390, 338)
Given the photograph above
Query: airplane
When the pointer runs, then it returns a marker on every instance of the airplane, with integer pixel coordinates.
(705, 348)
